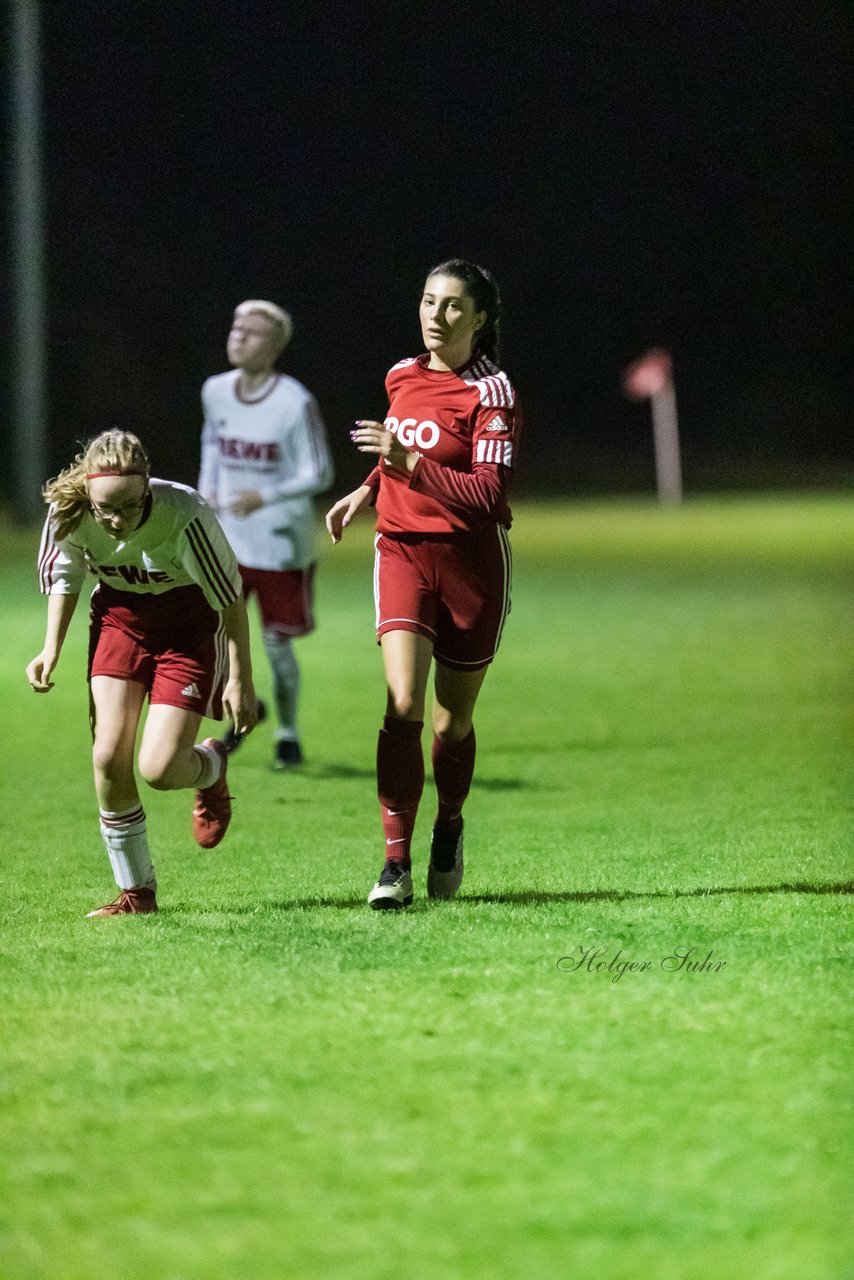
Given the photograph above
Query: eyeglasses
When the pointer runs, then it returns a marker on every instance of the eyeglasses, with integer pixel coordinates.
(126, 509)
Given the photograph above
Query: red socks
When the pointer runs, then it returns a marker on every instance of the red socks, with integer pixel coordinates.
(400, 781)
(453, 768)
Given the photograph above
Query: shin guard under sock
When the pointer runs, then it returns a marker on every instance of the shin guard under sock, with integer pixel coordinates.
(453, 769)
(400, 781)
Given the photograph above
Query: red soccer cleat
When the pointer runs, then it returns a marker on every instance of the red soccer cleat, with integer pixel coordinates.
(212, 810)
(130, 902)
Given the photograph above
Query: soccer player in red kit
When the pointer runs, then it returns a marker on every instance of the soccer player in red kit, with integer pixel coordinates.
(168, 620)
(442, 562)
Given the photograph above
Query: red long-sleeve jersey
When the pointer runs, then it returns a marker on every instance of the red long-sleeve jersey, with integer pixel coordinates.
(464, 425)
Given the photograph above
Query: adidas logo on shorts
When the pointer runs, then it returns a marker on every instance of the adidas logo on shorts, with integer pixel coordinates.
(191, 691)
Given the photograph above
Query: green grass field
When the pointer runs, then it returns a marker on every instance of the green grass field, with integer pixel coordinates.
(270, 1080)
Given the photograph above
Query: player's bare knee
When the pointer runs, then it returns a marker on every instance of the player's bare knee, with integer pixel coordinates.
(156, 772)
(107, 762)
(449, 728)
(403, 706)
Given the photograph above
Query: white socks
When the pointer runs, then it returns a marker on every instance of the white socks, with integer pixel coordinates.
(126, 839)
(211, 765)
(282, 658)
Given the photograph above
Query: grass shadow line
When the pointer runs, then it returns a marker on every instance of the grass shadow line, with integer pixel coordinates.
(528, 898)
(525, 898)
(342, 772)
(336, 772)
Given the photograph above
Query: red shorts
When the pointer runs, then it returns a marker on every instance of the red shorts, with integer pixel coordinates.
(285, 598)
(454, 590)
(173, 643)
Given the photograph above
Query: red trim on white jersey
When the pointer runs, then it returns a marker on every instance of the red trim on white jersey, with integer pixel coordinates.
(179, 543)
(48, 556)
(267, 389)
(276, 445)
(317, 438)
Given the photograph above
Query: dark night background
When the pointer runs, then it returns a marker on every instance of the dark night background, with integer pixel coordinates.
(635, 174)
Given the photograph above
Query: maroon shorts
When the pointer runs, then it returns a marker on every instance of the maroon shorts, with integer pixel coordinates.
(173, 643)
(454, 590)
(285, 598)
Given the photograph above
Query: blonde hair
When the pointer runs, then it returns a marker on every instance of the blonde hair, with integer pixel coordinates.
(280, 318)
(117, 452)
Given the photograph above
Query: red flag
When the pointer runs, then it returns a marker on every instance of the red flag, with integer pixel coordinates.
(648, 375)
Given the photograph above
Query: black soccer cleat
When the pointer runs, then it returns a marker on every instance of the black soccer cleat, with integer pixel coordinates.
(445, 873)
(231, 740)
(288, 754)
(393, 890)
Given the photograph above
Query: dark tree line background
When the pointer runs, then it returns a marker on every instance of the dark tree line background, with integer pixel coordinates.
(635, 174)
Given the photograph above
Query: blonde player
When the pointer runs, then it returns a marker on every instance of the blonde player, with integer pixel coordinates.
(264, 454)
(168, 621)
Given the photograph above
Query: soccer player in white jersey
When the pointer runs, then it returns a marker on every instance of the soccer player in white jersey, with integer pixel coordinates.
(447, 449)
(168, 620)
(264, 456)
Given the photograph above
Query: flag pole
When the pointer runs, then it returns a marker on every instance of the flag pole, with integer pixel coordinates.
(27, 234)
(665, 434)
(650, 377)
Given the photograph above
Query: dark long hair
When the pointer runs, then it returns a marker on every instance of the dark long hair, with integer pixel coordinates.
(482, 288)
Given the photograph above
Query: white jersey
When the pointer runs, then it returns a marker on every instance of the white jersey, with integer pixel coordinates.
(276, 444)
(180, 544)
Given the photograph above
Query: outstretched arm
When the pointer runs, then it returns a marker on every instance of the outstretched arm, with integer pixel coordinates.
(60, 609)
